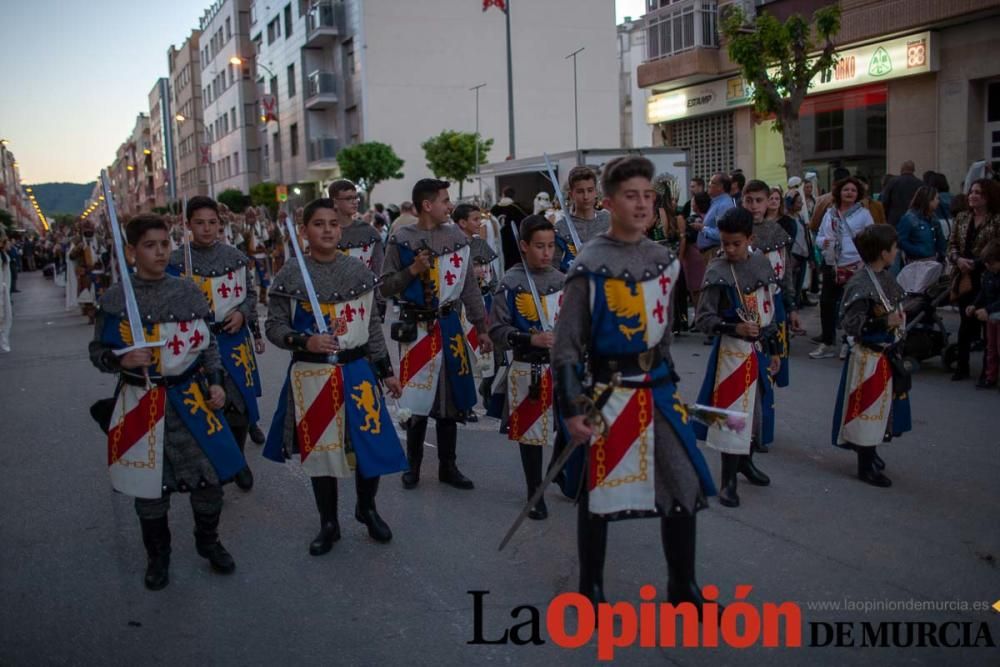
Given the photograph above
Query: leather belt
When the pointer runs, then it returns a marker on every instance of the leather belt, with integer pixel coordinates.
(604, 367)
(531, 355)
(411, 313)
(167, 381)
(343, 356)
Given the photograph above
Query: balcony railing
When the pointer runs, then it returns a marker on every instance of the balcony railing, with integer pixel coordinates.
(324, 22)
(321, 90)
(681, 26)
(324, 149)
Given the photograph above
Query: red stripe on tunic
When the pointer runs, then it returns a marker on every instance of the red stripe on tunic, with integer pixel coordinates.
(733, 387)
(864, 396)
(318, 416)
(420, 354)
(621, 434)
(137, 423)
(473, 337)
(529, 411)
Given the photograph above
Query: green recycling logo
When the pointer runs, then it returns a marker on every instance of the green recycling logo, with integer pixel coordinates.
(880, 64)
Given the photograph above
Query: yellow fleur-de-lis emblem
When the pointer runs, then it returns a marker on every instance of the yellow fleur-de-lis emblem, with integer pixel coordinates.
(457, 347)
(196, 401)
(367, 401)
(244, 359)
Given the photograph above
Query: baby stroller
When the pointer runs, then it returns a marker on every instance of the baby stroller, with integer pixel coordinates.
(926, 288)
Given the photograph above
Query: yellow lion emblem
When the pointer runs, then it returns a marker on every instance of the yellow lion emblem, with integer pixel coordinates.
(367, 401)
(525, 305)
(626, 302)
(457, 347)
(196, 401)
(244, 359)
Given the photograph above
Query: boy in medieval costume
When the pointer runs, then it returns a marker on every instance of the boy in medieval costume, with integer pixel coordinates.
(587, 221)
(428, 269)
(516, 324)
(92, 278)
(226, 278)
(873, 403)
(332, 411)
(357, 238)
(166, 433)
(737, 308)
(614, 327)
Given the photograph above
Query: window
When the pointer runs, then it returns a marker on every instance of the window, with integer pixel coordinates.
(288, 20)
(236, 161)
(293, 138)
(678, 25)
(273, 31)
(291, 80)
(276, 141)
(229, 28)
(232, 117)
(830, 130)
(274, 86)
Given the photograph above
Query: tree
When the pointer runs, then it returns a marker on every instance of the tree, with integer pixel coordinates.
(775, 59)
(234, 199)
(6, 222)
(265, 194)
(452, 155)
(368, 164)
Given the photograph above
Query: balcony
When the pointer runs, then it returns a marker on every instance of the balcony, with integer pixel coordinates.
(682, 44)
(324, 23)
(323, 152)
(321, 91)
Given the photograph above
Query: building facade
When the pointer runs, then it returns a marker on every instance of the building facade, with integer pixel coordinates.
(910, 84)
(335, 73)
(635, 132)
(17, 199)
(191, 147)
(229, 96)
(161, 124)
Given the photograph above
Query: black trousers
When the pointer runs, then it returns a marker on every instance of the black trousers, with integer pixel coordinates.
(829, 301)
(969, 329)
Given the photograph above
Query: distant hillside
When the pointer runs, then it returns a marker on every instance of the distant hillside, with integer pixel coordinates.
(62, 197)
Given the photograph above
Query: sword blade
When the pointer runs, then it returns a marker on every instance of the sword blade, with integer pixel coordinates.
(562, 203)
(306, 278)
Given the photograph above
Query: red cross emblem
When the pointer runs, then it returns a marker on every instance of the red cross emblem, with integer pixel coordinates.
(767, 305)
(658, 311)
(224, 290)
(664, 284)
(196, 339)
(361, 311)
(450, 277)
(456, 260)
(237, 290)
(230, 275)
(176, 344)
(184, 326)
(349, 312)
(364, 248)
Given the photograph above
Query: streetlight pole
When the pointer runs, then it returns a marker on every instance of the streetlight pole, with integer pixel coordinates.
(478, 177)
(576, 106)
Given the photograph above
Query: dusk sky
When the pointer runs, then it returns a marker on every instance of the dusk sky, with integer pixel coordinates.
(78, 73)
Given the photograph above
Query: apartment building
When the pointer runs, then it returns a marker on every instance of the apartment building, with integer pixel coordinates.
(912, 83)
(334, 73)
(229, 96)
(161, 123)
(191, 147)
(635, 132)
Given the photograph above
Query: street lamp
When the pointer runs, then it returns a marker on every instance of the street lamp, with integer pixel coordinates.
(576, 107)
(478, 177)
(237, 60)
(180, 118)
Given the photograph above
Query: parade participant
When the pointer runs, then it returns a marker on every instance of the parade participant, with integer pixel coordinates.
(587, 221)
(737, 308)
(427, 268)
(165, 434)
(771, 239)
(225, 277)
(88, 256)
(6, 312)
(257, 238)
(332, 410)
(615, 318)
(470, 220)
(517, 325)
(357, 238)
(873, 404)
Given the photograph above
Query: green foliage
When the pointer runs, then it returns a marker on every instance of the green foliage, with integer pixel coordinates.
(452, 155)
(6, 222)
(368, 164)
(265, 194)
(774, 57)
(234, 199)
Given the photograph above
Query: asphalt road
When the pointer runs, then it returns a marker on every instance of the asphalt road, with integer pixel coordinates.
(71, 558)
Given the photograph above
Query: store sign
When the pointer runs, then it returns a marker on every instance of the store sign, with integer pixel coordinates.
(891, 59)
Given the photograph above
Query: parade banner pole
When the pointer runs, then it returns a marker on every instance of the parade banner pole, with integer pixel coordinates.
(562, 204)
(131, 305)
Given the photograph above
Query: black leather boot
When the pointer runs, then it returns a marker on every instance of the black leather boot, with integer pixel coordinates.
(678, 534)
(867, 472)
(156, 538)
(365, 511)
(448, 472)
(206, 540)
(753, 474)
(325, 492)
(727, 490)
(877, 460)
(416, 431)
(591, 544)
(257, 435)
(531, 463)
